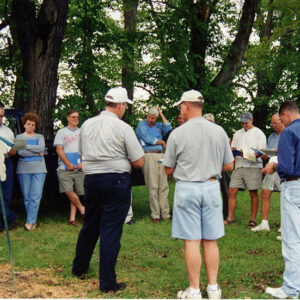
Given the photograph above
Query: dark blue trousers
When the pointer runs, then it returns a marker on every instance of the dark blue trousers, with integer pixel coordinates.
(107, 201)
(7, 189)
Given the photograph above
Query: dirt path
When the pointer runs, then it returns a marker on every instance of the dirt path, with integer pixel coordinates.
(41, 283)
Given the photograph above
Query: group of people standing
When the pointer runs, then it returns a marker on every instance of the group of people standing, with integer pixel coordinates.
(105, 149)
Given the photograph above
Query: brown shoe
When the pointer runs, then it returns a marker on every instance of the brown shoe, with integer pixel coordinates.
(155, 220)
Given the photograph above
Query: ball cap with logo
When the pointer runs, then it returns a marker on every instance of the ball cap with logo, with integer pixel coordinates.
(190, 96)
(245, 117)
(117, 95)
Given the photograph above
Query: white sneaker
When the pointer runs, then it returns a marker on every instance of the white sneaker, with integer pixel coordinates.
(187, 295)
(278, 293)
(278, 237)
(261, 227)
(214, 294)
(279, 230)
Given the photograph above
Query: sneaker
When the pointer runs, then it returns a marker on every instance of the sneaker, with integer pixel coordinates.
(28, 226)
(214, 294)
(187, 295)
(278, 293)
(279, 230)
(261, 227)
(278, 238)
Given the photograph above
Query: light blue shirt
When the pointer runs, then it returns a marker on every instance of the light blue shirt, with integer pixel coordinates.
(148, 136)
(273, 141)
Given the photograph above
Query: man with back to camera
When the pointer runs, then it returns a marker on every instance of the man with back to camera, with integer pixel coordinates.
(149, 133)
(271, 181)
(288, 168)
(69, 171)
(196, 153)
(246, 174)
(109, 148)
(7, 185)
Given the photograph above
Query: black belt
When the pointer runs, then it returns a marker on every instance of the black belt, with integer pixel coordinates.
(153, 151)
(289, 179)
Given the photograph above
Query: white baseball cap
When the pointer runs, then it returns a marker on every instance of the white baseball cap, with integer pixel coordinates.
(117, 95)
(190, 96)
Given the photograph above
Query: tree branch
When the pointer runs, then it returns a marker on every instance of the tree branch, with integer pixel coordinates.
(233, 62)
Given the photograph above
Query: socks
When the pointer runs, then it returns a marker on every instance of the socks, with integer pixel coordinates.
(265, 223)
(213, 287)
(194, 291)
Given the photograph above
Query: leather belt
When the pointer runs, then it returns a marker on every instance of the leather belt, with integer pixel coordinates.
(153, 151)
(289, 179)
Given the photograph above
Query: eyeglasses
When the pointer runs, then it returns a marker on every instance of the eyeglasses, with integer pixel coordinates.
(73, 117)
(275, 123)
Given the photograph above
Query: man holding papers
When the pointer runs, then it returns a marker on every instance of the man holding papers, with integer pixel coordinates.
(247, 167)
(69, 171)
(7, 185)
(271, 181)
(288, 168)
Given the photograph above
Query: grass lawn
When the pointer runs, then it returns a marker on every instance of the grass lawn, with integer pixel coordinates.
(150, 261)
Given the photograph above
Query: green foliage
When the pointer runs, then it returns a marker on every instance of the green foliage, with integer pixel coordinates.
(150, 261)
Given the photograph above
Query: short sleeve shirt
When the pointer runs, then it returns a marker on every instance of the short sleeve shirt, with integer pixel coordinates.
(107, 145)
(197, 150)
(68, 139)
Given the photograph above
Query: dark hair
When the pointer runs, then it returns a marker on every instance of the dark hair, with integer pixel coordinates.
(72, 111)
(31, 117)
(111, 104)
(290, 106)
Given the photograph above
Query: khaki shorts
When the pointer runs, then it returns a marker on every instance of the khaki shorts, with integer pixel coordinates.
(272, 182)
(71, 181)
(246, 178)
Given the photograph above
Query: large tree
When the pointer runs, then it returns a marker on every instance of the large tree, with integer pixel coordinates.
(37, 31)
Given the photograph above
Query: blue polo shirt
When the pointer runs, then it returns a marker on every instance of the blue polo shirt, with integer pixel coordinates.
(148, 136)
(289, 151)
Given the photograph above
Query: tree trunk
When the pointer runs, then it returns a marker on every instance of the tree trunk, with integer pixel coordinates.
(40, 40)
(128, 75)
(233, 62)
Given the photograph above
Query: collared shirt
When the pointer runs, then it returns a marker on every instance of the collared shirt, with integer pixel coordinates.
(244, 140)
(67, 138)
(289, 151)
(107, 145)
(148, 136)
(197, 150)
(273, 141)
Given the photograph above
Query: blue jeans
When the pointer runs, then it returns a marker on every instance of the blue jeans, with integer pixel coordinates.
(32, 190)
(107, 200)
(7, 188)
(290, 232)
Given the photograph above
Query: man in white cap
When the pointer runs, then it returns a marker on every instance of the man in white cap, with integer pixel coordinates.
(247, 172)
(197, 152)
(109, 148)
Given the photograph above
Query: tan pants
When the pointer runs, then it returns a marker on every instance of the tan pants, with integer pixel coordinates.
(157, 185)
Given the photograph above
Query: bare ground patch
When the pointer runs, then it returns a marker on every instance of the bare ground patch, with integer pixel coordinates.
(41, 283)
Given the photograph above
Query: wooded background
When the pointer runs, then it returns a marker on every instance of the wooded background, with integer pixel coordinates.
(242, 55)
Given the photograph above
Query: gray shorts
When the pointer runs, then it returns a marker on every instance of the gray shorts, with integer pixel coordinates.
(197, 211)
(71, 181)
(246, 178)
(272, 182)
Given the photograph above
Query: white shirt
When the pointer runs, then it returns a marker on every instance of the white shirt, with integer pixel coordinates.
(6, 133)
(106, 144)
(244, 140)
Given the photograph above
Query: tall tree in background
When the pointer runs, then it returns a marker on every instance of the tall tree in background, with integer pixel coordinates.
(39, 36)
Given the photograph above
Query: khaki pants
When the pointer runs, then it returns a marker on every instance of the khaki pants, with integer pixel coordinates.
(157, 185)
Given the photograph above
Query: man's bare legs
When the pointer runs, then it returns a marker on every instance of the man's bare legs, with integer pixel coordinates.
(254, 204)
(211, 259)
(192, 258)
(75, 204)
(265, 203)
(231, 203)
